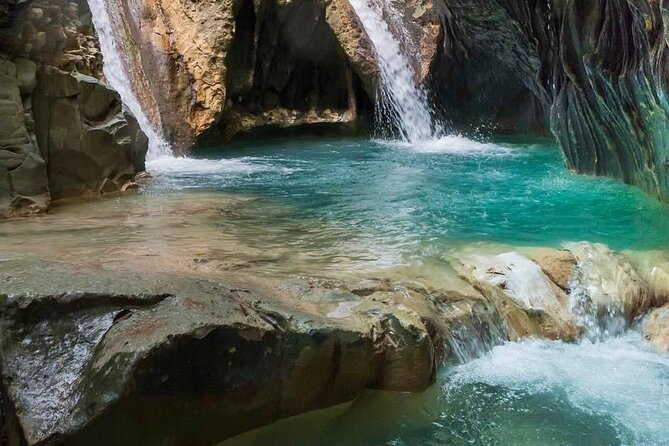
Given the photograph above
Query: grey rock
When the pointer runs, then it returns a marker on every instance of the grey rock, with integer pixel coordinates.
(90, 144)
(23, 176)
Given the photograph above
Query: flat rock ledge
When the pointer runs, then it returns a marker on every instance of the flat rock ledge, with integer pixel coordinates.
(193, 361)
(109, 358)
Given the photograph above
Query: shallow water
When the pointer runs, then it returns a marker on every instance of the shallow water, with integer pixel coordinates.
(405, 200)
(359, 203)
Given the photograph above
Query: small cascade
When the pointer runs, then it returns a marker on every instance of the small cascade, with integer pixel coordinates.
(598, 319)
(115, 70)
(475, 335)
(400, 100)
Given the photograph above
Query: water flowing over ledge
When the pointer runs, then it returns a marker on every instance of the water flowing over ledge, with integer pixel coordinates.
(116, 73)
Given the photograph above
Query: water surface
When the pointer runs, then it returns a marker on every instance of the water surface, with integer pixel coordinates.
(417, 199)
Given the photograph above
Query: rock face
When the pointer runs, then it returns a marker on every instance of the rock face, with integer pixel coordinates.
(51, 32)
(195, 362)
(595, 73)
(61, 135)
(23, 177)
(89, 143)
(226, 59)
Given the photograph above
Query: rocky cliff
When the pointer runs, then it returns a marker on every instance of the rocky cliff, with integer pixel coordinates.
(62, 132)
(594, 73)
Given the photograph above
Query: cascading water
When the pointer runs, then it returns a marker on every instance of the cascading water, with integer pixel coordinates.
(400, 99)
(115, 71)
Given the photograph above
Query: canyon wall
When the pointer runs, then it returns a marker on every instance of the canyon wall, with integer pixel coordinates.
(594, 73)
(63, 133)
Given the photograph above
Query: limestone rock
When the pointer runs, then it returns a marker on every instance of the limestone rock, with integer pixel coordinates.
(530, 302)
(594, 74)
(194, 362)
(558, 265)
(50, 32)
(90, 145)
(656, 328)
(608, 282)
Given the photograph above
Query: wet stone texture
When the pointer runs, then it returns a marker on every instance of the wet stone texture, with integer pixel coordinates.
(192, 361)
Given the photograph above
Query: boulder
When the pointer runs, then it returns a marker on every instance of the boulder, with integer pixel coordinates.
(23, 175)
(530, 302)
(656, 328)
(91, 145)
(117, 359)
(606, 285)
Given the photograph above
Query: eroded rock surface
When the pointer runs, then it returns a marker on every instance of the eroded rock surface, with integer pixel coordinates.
(89, 143)
(585, 289)
(128, 360)
(23, 177)
(61, 134)
(594, 72)
(532, 304)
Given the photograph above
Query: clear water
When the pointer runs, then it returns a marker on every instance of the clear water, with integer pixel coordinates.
(361, 202)
(402, 201)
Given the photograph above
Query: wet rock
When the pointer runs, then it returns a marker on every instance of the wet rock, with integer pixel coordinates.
(656, 328)
(653, 267)
(594, 73)
(195, 362)
(530, 302)
(607, 283)
(90, 144)
(558, 265)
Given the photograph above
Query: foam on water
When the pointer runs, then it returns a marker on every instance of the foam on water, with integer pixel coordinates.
(452, 144)
(184, 166)
(623, 380)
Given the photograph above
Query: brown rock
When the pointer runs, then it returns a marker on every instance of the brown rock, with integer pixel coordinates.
(656, 329)
(531, 303)
(558, 265)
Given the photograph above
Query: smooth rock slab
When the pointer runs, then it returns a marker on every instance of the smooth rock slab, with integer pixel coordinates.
(192, 361)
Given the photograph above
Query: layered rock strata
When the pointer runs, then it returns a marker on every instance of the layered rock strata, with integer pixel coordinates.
(594, 73)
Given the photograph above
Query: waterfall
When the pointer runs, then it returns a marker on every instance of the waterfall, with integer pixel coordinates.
(115, 71)
(399, 99)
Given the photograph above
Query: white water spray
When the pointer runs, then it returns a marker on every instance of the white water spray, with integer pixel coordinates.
(115, 71)
(400, 98)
